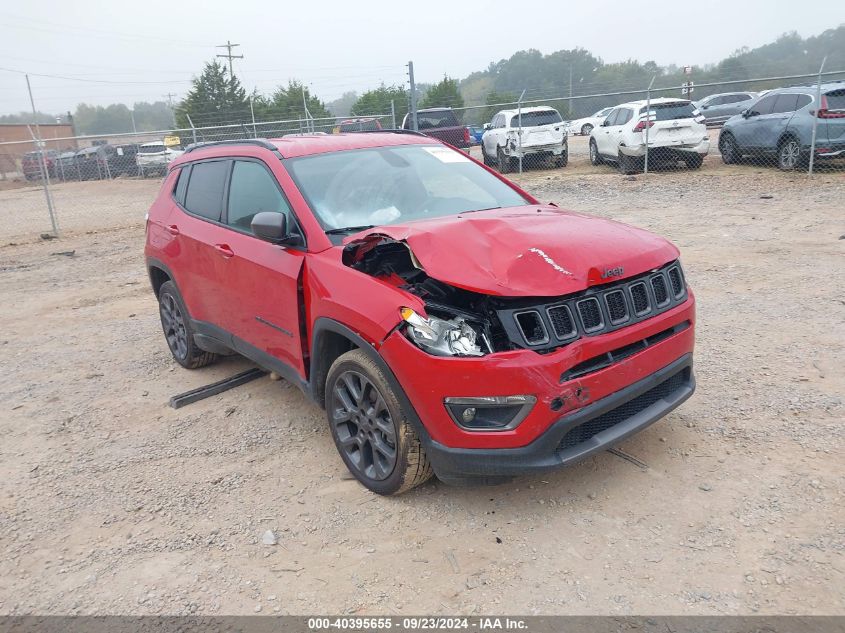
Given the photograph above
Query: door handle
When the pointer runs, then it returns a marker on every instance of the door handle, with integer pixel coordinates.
(224, 250)
(173, 229)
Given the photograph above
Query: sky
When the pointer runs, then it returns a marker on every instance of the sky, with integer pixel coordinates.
(103, 51)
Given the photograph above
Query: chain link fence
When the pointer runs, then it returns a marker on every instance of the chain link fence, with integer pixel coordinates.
(794, 123)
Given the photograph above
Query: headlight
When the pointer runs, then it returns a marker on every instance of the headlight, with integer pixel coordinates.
(441, 337)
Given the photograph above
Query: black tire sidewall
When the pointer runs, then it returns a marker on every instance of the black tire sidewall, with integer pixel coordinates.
(355, 361)
(169, 288)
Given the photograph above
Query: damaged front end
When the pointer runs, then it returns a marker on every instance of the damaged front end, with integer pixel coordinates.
(457, 322)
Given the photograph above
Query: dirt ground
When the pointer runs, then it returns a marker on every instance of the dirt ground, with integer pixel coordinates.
(112, 502)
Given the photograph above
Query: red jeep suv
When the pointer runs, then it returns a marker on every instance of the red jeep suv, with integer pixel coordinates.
(448, 322)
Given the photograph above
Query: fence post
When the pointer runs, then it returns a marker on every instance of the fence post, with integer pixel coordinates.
(414, 125)
(816, 118)
(647, 121)
(252, 113)
(42, 161)
(519, 129)
(193, 129)
(393, 113)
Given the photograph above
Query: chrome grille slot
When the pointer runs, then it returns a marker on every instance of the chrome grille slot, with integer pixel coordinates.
(562, 322)
(531, 326)
(617, 308)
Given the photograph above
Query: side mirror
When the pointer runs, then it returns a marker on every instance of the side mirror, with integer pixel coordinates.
(747, 113)
(605, 123)
(704, 107)
(486, 126)
(270, 227)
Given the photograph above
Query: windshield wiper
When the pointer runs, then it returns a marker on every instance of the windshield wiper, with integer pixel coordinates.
(349, 229)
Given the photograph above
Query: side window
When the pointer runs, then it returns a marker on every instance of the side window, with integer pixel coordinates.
(253, 190)
(182, 184)
(765, 105)
(785, 103)
(624, 116)
(500, 120)
(735, 98)
(205, 189)
(611, 118)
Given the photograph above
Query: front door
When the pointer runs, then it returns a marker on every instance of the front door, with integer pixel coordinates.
(262, 281)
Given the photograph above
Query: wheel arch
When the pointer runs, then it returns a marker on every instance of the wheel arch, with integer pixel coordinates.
(329, 340)
(159, 274)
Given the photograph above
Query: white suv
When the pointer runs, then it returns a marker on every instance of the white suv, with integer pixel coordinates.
(153, 158)
(540, 133)
(676, 131)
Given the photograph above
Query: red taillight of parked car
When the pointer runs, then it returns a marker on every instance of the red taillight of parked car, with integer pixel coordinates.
(642, 125)
(466, 135)
(824, 113)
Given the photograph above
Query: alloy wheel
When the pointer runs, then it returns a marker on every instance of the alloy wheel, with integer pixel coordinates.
(364, 426)
(790, 152)
(174, 326)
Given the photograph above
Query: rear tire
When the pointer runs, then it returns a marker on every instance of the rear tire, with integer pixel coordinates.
(789, 154)
(586, 129)
(178, 332)
(626, 164)
(595, 157)
(728, 149)
(504, 162)
(694, 161)
(562, 160)
(370, 430)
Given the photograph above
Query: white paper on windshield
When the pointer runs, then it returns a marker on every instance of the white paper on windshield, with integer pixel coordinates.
(446, 155)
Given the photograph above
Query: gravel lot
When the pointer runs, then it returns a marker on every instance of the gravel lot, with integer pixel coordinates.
(111, 502)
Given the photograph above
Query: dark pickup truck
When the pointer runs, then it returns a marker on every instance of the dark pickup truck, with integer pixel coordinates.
(440, 123)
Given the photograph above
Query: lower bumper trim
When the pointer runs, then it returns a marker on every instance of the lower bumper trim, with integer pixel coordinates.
(591, 429)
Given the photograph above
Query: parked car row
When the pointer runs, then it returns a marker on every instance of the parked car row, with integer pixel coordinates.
(100, 161)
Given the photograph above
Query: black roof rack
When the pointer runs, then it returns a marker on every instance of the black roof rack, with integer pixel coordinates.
(260, 142)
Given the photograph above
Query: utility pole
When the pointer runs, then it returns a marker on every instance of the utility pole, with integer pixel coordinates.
(169, 96)
(570, 90)
(229, 46)
(413, 97)
(132, 114)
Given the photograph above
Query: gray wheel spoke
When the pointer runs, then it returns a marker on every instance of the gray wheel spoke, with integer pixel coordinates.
(382, 447)
(354, 390)
(344, 398)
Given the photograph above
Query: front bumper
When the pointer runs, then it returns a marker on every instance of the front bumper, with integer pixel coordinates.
(590, 429)
(677, 148)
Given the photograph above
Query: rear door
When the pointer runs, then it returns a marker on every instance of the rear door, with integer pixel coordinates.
(771, 126)
(749, 132)
(261, 284)
(199, 257)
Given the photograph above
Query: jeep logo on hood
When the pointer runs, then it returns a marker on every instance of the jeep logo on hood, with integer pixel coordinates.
(612, 272)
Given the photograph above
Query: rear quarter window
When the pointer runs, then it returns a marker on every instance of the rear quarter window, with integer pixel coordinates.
(204, 196)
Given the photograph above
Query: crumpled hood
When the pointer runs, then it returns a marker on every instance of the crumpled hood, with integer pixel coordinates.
(531, 251)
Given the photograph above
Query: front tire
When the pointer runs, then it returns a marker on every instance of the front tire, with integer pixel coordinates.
(370, 430)
(586, 129)
(485, 158)
(178, 332)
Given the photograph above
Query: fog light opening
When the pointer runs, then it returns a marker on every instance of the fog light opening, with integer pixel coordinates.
(489, 413)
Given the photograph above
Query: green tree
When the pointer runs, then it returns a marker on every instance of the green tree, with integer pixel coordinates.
(286, 104)
(378, 102)
(443, 95)
(343, 104)
(214, 99)
(508, 99)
